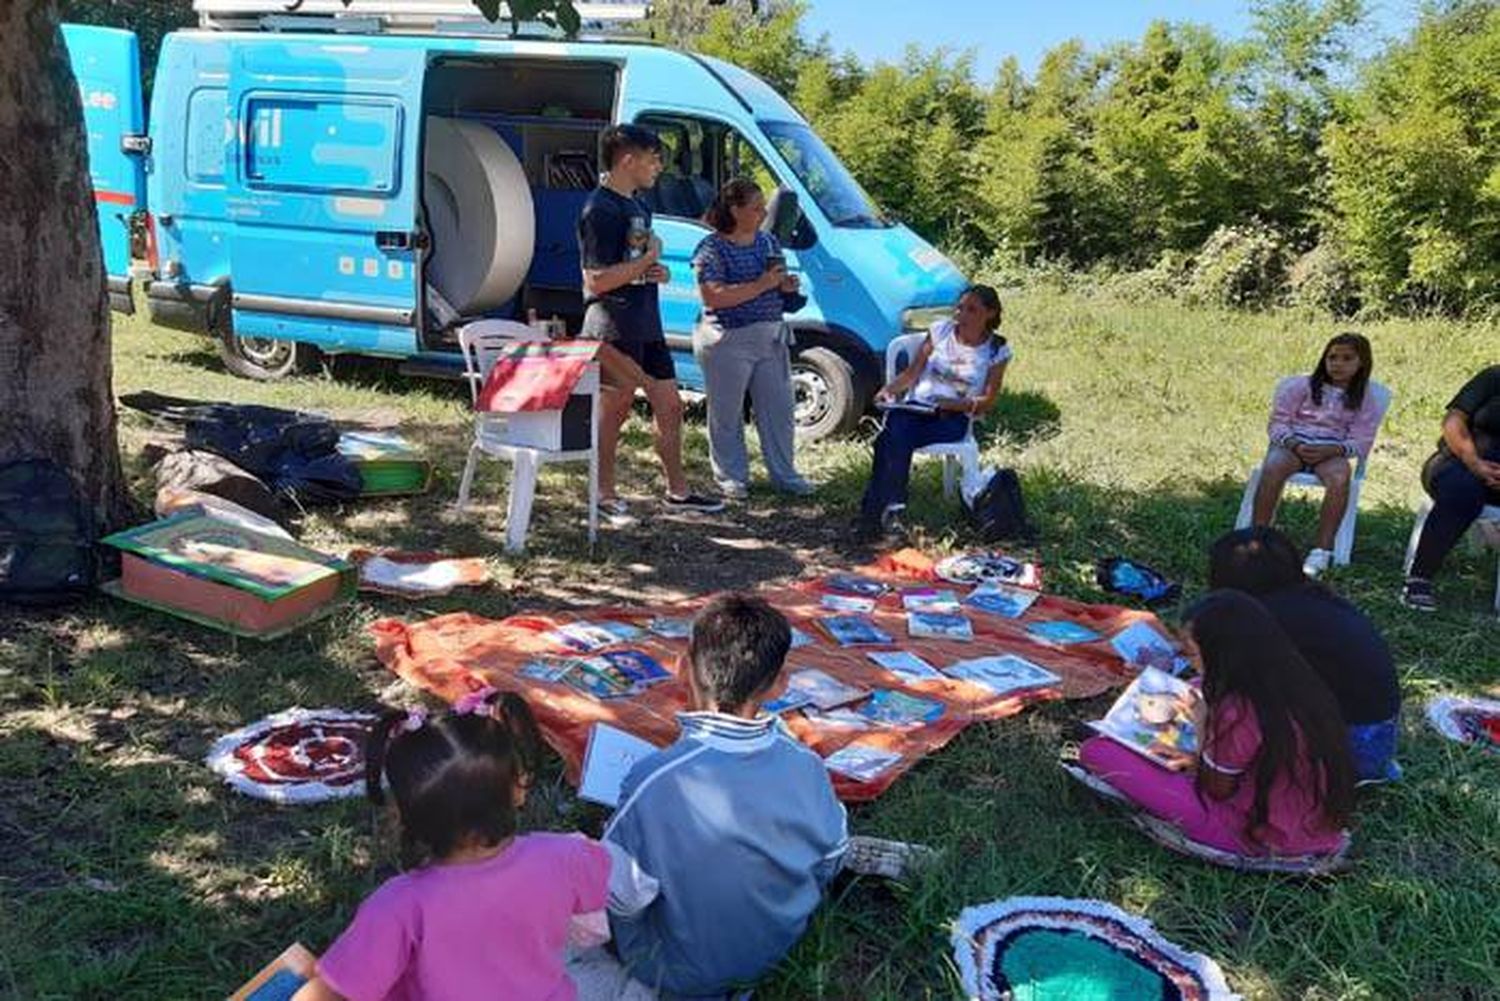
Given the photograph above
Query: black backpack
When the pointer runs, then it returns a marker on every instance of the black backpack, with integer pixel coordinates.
(46, 535)
(999, 511)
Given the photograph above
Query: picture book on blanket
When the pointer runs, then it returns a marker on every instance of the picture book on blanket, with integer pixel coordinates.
(671, 629)
(938, 626)
(1142, 645)
(892, 708)
(799, 638)
(853, 630)
(1004, 674)
(929, 599)
(610, 675)
(847, 603)
(905, 663)
(1061, 632)
(281, 978)
(812, 687)
(586, 637)
(860, 762)
(1006, 600)
(1156, 716)
(855, 584)
(610, 756)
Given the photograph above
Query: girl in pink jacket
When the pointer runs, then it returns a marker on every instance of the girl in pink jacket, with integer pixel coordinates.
(1318, 424)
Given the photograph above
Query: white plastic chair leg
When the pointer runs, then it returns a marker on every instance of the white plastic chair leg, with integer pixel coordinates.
(1247, 501)
(1416, 534)
(950, 469)
(593, 497)
(467, 481)
(1343, 543)
(522, 495)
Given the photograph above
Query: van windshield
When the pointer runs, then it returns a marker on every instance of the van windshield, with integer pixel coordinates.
(835, 190)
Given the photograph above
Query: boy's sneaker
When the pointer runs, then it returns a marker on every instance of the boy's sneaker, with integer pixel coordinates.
(616, 513)
(797, 488)
(891, 523)
(1417, 594)
(1317, 561)
(733, 489)
(697, 503)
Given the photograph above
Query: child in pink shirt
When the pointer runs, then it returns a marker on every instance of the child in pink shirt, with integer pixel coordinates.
(486, 913)
(1318, 424)
(1274, 777)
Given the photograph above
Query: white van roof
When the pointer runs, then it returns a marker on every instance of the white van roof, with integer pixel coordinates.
(406, 16)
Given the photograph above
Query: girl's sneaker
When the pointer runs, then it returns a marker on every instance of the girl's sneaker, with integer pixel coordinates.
(1417, 594)
(1318, 560)
(696, 503)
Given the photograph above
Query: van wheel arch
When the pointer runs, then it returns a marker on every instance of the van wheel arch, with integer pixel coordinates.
(834, 378)
(263, 359)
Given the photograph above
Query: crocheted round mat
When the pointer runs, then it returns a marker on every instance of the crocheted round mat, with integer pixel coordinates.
(296, 756)
(979, 568)
(1057, 949)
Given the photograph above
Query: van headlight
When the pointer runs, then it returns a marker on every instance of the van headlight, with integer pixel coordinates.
(920, 319)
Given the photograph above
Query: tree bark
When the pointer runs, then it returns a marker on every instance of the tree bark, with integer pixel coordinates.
(56, 399)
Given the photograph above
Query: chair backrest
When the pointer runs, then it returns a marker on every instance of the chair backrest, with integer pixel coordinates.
(482, 341)
(899, 353)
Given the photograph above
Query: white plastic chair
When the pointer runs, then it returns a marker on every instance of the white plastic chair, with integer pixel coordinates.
(956, 455)
(482, 341)
(1491, 514)
(1343, 542)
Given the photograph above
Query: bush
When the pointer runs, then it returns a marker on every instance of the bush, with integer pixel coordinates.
(1239, 267)
(1323, 280)
(1164, 279)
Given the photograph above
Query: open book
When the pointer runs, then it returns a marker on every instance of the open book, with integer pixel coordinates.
(279, 979)
(611, 754)
(1156, 716)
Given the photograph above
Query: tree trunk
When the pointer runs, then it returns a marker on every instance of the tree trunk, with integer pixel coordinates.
(56, 399)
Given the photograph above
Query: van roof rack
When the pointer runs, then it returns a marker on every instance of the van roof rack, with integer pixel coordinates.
(416, 17)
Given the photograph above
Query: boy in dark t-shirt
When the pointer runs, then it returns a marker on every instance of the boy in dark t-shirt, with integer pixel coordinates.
(621, 270)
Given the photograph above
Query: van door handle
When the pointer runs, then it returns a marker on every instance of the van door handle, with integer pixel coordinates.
(393, 239)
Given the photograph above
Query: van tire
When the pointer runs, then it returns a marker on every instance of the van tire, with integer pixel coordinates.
(262, 358)
(825, 394)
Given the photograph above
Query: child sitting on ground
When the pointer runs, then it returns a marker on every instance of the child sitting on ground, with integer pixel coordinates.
(1318, 423)
(1273, 776)
(483, 913)
(737, 820)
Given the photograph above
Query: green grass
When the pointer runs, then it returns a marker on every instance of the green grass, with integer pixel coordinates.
(129, 871)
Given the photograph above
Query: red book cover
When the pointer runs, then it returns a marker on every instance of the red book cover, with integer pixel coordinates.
(530, 375)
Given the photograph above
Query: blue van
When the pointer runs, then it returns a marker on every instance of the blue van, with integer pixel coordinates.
(332, 182)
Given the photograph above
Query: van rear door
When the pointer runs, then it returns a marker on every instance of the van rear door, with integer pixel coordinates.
(323, 191)
(107, 63)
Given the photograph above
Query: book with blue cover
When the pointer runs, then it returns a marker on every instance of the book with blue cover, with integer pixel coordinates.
(853, 630)
(1002, 599)
(939, 626)
(1061, 632)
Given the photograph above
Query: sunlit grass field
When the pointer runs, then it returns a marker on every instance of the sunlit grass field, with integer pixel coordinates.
(129, 871)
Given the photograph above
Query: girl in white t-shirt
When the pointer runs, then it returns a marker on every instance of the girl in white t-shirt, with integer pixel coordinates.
(954, 378)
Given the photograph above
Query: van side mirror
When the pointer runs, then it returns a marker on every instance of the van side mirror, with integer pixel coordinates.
(782, 213)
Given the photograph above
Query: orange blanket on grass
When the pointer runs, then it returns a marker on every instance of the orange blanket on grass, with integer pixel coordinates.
(451, 655)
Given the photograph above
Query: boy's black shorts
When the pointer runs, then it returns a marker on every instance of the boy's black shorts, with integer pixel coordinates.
(654, 357)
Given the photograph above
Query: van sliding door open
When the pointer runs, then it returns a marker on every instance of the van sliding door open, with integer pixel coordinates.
(323, 193)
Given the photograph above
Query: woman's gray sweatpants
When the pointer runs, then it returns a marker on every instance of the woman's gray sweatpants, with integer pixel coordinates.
(757, 358)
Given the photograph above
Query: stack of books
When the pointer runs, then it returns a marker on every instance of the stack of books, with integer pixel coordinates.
(389, 465)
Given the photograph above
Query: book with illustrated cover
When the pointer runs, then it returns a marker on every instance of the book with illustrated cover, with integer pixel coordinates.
(799, 638)
(929, 599)
(812, 687)
(847, 603)
(1156, 716)
(638, 668)
(608, 676)
(891, 708)
(853, 630)
(1006, 600)
(905, 663)
(671, 629)
(855, 584)
(837, 719)
(281, 978)
(787, 701)
(1004, 674)
(861, 762)
(610, 756)
(1061, 633)
(1142, 645)
(388, 464)
(939, 626)
(586, 637)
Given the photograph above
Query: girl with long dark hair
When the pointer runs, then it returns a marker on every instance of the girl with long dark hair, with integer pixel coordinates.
(743, 344)
(1273, 775)
(1319, 422)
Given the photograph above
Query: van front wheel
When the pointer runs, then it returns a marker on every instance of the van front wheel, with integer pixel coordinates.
(824, 394)
(261, 358)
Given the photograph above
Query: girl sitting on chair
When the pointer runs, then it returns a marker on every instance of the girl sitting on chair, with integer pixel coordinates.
(953, 378)
(1318, 423)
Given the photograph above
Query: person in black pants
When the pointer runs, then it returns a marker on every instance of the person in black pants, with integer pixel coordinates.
(1338, 640)
(1461, 477)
